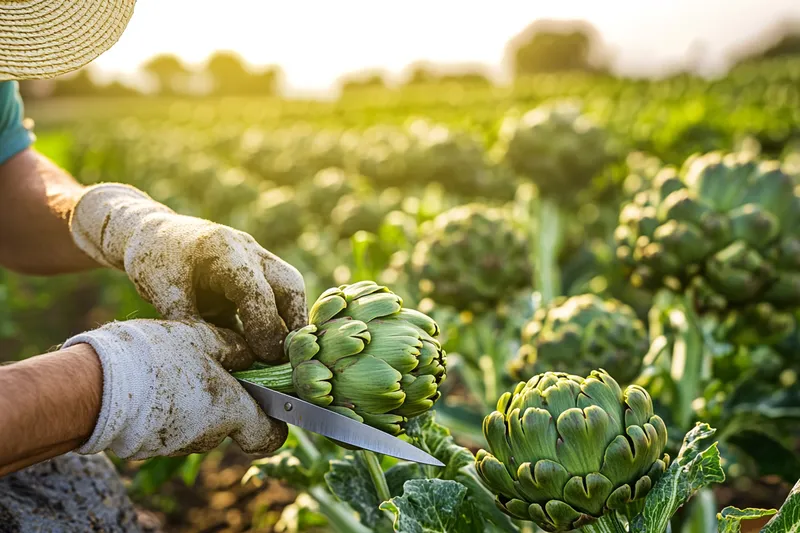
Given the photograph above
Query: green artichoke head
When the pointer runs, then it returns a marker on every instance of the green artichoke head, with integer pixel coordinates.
(579, 334)
(470, 257)
(366, 357)
(564, 450)
(557, 147)
(727, 228)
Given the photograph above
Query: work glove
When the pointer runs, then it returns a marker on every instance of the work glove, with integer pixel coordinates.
(190, 268)
(166, 391)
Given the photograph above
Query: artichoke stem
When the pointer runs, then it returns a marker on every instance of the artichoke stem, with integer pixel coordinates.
(608, 523)
(340, 518)
(376, 473)
(277, 377)
(687, 363)
(547, 241)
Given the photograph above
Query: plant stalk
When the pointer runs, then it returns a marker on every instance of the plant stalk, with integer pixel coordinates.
(546, 243)
(340, 518)
(277, 377)
(376, 473)
(608, 523)
(687, 363)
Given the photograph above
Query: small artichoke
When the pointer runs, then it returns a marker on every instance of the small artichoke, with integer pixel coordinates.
(726, 228)
(557, 147)
(363, 356)
(581, 333)
(564, 450)
(470, 257)
(277, 217)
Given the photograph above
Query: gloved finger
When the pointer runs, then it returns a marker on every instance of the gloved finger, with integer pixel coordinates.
(232, 352)
(289, 287)
(259, 433)
(263, 328)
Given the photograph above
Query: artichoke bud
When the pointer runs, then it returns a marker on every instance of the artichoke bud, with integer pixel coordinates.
(753, 225)
(366, 357)
(564, 450)
(727, 226)
(581, 333)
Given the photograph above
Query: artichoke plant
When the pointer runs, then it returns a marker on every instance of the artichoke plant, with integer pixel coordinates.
(726, 229)
(363, 356)
(557, 147)
(470, 257)
(277, 216)
(581, 333)
(565, 450)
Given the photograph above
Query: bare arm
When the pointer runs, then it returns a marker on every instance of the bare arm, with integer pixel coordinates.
(36, 200)
(48, 405)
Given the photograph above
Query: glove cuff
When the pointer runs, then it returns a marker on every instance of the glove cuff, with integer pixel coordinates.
(126, 391)
(105, 218)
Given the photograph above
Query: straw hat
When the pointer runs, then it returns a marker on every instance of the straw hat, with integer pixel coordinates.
(45, 38)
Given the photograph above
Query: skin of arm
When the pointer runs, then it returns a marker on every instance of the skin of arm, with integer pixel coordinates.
(37, 198)
(49, 405)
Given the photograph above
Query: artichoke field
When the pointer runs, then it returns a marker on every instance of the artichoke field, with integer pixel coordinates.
(640, 295)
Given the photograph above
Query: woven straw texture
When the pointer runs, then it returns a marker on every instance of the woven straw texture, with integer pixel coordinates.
(45, 38)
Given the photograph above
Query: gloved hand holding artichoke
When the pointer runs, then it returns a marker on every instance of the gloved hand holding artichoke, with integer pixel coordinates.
(726, 228)
(470, 257)
(566, 450)
(579, 334)
(363, 356)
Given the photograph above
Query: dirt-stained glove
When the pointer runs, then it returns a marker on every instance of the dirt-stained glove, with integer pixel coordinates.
(166, 391)
(190, 268)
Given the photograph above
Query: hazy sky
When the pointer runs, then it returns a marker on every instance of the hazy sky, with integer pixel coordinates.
(315, 41)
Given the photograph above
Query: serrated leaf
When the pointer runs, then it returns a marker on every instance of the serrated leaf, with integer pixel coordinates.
(397, 475)
(431, 506)
(349, 480)
(437, 440)
(787, 520)
(730, 518)
(692, 469)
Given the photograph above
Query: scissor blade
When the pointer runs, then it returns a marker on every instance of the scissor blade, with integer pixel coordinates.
(333, 425)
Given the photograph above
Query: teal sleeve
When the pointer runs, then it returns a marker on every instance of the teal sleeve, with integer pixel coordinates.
(13, 136)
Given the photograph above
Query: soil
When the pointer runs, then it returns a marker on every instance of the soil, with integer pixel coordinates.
(217, 502)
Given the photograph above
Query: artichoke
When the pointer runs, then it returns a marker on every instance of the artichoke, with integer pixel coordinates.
(277, 216)
(327, 187)
(579, 334)
(564, 450)
(363, 356)
(727, 229)
(557, 147)
(471, 257)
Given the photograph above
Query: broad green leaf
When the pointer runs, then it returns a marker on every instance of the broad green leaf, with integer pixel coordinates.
(730, 518)
(436, 440)
(787, 520)
(692, 469)
(349, 480)
(431, 506)
(397, 475)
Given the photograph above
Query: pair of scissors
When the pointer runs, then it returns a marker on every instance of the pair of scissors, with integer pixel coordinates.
(338, 427)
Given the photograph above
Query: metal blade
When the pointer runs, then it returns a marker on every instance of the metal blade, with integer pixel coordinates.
(333, 425)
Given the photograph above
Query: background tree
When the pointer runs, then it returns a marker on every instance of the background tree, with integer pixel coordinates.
(362, 80)
(169, 72)
(782, 39)
(556, 46)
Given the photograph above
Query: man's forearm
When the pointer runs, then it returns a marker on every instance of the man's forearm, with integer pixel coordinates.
(36, 200)
(49, 405)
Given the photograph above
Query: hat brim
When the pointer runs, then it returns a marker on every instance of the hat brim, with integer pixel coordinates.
(46, 38)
